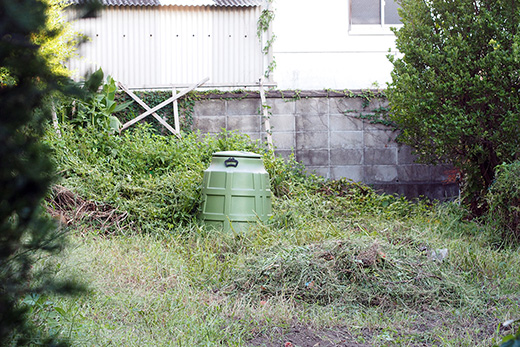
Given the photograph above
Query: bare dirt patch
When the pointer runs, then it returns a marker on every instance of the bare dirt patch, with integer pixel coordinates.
(305, 336)
(419, 331)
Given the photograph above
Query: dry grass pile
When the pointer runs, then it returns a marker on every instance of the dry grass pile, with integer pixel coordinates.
(348, 272)
(71, 210)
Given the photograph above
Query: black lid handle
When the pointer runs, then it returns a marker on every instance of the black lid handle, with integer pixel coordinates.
(231, 162)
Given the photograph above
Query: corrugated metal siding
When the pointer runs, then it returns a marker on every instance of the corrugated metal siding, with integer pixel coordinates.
(149, 47)
(235, 39)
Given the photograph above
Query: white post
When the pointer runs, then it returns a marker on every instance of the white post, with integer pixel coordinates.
(176, 112)
(266, 116)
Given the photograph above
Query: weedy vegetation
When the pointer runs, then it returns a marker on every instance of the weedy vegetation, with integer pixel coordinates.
(337, 263)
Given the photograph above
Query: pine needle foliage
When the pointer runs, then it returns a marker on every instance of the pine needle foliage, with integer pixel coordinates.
(26, 171)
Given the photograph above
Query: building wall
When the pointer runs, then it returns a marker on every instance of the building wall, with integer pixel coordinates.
(316, 47)
(327, 135)
(152, 47)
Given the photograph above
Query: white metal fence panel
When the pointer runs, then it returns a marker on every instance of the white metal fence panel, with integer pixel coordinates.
(153, 47)
(238, 55)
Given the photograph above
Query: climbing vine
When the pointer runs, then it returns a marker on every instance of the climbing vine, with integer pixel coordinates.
(264, 23)
(295, 95)
(377, 115)
(186, 106)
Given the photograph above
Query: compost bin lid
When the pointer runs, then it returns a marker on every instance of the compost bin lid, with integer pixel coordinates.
(238, 154)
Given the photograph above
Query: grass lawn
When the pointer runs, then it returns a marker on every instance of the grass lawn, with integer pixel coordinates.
(327, 281)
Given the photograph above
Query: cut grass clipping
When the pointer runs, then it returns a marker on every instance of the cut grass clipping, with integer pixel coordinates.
(349, 273)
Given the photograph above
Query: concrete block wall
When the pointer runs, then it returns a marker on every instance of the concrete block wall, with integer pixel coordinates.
(327, 135)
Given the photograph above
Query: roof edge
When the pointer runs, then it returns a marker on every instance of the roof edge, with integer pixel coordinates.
(180, 3)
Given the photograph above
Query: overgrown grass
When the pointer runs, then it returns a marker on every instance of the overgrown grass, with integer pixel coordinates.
(155, 179)
(335, 256)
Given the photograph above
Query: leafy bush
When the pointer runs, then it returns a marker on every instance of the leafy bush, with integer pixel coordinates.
(454, 91)
(504, 202)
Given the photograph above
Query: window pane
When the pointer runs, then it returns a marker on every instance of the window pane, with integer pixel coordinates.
(391, 15)
(365, 11)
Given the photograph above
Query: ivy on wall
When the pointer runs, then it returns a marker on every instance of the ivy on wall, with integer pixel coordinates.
(186, 104)
(378, 115)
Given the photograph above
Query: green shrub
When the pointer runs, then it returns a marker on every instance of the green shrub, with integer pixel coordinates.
(94, 105)
(504, 202)
(454, 91)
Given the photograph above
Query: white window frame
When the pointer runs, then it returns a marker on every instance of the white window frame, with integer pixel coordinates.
(372, 29)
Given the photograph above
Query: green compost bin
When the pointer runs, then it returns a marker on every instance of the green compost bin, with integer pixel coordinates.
(235, 191)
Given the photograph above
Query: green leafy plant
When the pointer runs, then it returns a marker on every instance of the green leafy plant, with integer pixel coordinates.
(60, 324)
(503, 199)
(454, 92)
(97, 105)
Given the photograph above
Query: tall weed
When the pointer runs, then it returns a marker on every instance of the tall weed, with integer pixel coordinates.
(504, 203)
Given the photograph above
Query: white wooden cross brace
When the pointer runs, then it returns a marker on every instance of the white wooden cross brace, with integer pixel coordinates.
(145, 106)
(151, 111)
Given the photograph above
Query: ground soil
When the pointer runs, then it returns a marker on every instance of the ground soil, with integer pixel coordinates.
(305, 336)
(301, 335)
